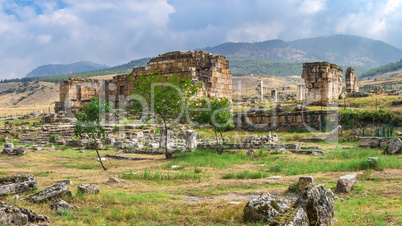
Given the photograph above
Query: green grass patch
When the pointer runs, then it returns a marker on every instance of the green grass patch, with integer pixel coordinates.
(43, 174)
(148, 174)
(246, 174)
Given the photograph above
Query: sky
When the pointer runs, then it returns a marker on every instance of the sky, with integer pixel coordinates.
(34, 33)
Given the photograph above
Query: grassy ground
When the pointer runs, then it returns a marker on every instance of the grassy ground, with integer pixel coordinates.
(197, 191)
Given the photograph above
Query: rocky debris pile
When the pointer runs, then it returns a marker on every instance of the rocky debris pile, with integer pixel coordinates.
(88, 189)
(9, 149)
(12, 215)
(59, 205)
(261, 140)
(286, 96)
(300, 107)
(346, 183)
(357, 94)
(393, 144)
(51, 193)
(17, 184)
(314, 206)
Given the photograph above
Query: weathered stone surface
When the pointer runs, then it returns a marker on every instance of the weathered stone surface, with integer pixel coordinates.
(352, 83)
(60, 205)
(314, 206)
(373, 161)
(17, 184)
(263, 208)
(51, 193)
(12, 215)
(323, 81)
(300, 107)
(336, 131)
(88, 188)
(250, 152)
(65, 181)
(76, 143)
(373, 142)
(346, 183)
(191, 139)
(114, 180)
(394, 147)
(212, 70)
(318, 203)
(19, 150)
(304, 182)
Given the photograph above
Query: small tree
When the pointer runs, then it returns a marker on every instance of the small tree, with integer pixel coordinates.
(89, 120)
(167, 97)
(215, 112)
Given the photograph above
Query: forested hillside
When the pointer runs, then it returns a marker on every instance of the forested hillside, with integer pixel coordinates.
(383, 69)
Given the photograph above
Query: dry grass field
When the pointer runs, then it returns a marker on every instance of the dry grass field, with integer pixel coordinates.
(200, 190)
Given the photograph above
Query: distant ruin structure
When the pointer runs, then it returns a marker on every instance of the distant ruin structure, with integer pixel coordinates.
(323, 81)
(212, 70)
(352, 83)
(274, 95)
(301, 92)
(260, 89)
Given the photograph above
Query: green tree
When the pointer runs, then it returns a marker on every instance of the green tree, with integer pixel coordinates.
(89, 120)
(215, 112)
(166, 96)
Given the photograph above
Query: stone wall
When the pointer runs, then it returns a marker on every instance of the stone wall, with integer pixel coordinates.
(323, 81)
(352, 84)
(266, 120)
(212, 70)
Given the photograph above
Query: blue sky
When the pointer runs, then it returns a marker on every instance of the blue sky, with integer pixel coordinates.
(33, 33)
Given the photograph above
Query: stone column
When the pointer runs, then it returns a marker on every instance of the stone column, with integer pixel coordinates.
(261, 90)
(162, 142)
(274, 95)
(300, 92)
(191, 139)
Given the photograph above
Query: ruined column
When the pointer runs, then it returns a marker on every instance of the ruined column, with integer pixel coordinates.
(274, 95)
(300, 94)
(352, 84)
(191, 139)
(261, 90)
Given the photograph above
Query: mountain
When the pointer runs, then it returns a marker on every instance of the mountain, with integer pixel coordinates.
(349, 50)
(63, 69)
(272, 50)
(344, 50)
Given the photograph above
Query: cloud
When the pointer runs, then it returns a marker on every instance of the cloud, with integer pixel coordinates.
(33, 33)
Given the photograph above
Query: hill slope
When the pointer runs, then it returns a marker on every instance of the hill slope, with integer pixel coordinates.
(349, 50)
(62, 69)
(344, 50)
(272, 50)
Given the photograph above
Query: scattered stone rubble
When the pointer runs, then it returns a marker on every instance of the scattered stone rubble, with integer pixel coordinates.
(51, 193)
(17, 184)
(393, 144)
(346, 183)
(12, 215)
(9, 149)
(88, 188)
(59, 205)
(314, 206)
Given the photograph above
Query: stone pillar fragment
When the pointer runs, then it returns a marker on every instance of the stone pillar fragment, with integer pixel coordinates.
(352, 83)
(191, 139)
(261, 90)
(274, 95)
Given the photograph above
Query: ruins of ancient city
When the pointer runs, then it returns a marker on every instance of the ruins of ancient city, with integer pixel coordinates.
(288, 155)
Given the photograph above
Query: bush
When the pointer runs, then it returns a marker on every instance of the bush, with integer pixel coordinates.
(52, 138)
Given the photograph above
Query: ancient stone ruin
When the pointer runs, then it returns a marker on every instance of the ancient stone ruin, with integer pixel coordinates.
(212, 70)
(260, 89)
(352, 84)
(323, 81)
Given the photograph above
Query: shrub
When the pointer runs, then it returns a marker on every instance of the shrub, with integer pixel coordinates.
(52, 138)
